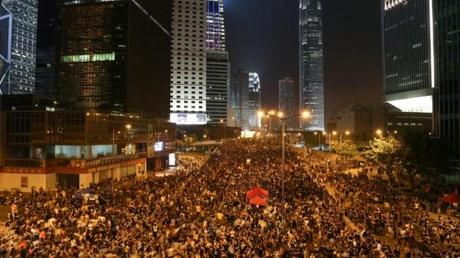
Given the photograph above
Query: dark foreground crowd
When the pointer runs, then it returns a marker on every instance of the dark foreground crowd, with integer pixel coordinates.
(202, 212)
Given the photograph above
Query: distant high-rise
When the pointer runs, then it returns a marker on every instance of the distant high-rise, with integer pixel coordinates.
(217, 65)
(188, 59)
(215, 39)
(239, 92)
(21, 78)
(115, 55)
(254, 100)
(409, 54)
(286, 100)
(6, 30)
(447, 105)
(311, 63)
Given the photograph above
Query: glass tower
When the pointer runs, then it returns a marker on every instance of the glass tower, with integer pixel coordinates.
(286, 99)
(311, 63)
(447, 108)
(21, 78)
(217, 65)
(254, 100)
(115, 55)
(408, 45)
(6, 27)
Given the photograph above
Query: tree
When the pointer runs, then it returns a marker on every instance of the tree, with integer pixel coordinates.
(347, 148)
(385, 152)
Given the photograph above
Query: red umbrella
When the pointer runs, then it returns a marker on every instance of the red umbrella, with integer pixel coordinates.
(257, 191)
(258, 201)
(451, 198)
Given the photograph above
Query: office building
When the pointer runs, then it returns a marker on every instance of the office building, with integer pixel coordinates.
(239, 92)
(254, 100)
(217, 65)
(188, 60)
(448, 98)
(363, 121)
(311, 63)
(217, 87)
(6, 30)
(21, 76)
(43, 149)
(46, 49)
(409, 54)
(114, 55)
(287, 101)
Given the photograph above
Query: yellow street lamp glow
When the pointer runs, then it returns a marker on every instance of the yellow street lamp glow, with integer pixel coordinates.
(260, 113)
(128, 126)
(395, 132)
(299, 134)
(306, 114)
(316, 133)
(204, 136)
(271, 112)
(379, 132)
(324, 133)
(347, 132)
(334, 133)
(280, 114)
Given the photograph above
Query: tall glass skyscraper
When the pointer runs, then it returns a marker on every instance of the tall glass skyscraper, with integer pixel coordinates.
(311, 63)
(217, 65)
(115, 55)
(254, 100)
(409, 54)
(215, 26)
(21, 78)
(447, 108)
(6, 30)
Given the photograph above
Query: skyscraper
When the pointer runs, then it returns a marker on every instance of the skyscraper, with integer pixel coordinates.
(311, 63)
(409, 54)
(6, 30)
(115, 55)
(448, 99)
(239, 92)
(217, 65)
(286, 100)
(21, 78)
(188, 59)
(254, 100)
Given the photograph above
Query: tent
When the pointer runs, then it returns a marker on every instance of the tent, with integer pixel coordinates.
(451, 198)
(257, 191)
(258, 201)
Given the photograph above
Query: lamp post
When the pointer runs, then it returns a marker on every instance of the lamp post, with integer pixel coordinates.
(304, 115)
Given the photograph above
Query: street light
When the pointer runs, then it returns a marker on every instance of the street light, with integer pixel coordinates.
(379, 132)
(283, 120)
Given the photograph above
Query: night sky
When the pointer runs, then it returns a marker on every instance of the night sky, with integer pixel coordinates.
(262, 36)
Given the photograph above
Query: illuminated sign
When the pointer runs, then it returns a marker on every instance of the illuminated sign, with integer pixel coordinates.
(188, 118)
(172, 159)
(418, 104)
(393, 3)
(159, 146)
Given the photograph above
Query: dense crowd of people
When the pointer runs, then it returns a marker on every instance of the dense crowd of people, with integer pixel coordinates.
(201, 211)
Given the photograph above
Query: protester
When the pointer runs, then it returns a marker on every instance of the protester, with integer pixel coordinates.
(201, 211)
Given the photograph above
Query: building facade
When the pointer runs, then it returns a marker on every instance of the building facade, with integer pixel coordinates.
(21, 76)
(217, 65)
(74, 149)
(409, 54)
(311, 63)
(240, 99)
(188, 60)
(448, 99)
(104, 61)
(286, 100)
(254, 100)
(6, 31)
(217, 87)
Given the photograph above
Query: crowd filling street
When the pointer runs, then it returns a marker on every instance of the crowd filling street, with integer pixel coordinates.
(202, 211)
